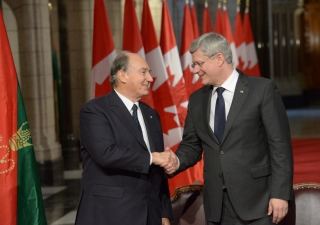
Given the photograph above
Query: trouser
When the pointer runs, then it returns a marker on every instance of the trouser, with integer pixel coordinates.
(230, 217)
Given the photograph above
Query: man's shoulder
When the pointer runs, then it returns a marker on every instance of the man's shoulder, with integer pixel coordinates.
(97, 102)
(260, 83)
(198, 93)
(258, 79)
(254, 79)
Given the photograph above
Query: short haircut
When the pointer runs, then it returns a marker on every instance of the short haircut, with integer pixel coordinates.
(212, 43)
(121, 62)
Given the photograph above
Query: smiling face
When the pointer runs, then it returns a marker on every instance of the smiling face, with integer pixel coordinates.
(209, 70)
(213, 69)
(137, 79)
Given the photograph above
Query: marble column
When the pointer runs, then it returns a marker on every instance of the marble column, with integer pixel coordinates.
(37, 85)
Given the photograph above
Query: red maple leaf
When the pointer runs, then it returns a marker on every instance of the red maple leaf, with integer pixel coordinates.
(180, 96)
(162, 100)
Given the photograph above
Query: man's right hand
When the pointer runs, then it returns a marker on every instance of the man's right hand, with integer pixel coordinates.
(167, 159)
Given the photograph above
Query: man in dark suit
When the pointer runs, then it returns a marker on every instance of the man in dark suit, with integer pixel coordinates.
(121, 146)
(240, 124)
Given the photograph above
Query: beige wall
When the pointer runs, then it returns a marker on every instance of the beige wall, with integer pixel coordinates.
(12, 31)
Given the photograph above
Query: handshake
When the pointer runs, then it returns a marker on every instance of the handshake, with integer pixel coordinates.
(166, 159)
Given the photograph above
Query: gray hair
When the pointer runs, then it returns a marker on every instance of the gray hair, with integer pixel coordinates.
(121, 62)
(212, 43)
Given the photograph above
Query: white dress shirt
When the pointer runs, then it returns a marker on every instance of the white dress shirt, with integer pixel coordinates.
(229, 85)
(128, 103)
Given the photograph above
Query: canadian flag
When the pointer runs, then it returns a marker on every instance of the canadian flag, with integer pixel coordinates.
(103, 51)
(229, 37)
(192, 80)
(194, 19)
(253, 67)
(177, 86)
(132, 40)
(240, 42)
(161, 90)
(218, 27)
(172, 62)
(207, 25)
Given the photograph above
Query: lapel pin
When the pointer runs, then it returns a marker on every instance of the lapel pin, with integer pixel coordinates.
(151, 117)
(241, 91)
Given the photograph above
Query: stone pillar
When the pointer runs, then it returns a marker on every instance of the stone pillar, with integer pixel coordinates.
(37, 85)
(79, 28)
(115, 9)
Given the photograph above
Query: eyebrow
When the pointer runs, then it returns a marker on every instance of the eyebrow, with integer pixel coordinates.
(145, 69)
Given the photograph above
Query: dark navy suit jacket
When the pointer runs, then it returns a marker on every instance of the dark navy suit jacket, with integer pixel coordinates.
(118, 184)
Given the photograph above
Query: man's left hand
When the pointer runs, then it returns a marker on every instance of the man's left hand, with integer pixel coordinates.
(278, 208)
(165, 221)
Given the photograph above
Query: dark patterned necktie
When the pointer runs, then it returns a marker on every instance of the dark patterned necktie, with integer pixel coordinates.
(135, 116)
(220, 115)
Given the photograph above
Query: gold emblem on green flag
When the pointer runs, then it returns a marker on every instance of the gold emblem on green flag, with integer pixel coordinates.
(21, 139)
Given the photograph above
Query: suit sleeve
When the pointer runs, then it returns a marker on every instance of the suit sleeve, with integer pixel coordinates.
(277, 128)
(165, 199)
(164, 189)
(190, 150)
(98, 137)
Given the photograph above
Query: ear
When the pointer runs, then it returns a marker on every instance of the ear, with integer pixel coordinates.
(220, 59)
(122, 76)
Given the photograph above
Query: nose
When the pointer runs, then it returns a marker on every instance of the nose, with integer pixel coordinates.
(149, 78)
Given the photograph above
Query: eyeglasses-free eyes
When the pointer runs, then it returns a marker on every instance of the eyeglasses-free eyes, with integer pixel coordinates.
(200, 64)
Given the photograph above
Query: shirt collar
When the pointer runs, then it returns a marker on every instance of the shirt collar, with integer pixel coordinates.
(128, 103)
(230, 83)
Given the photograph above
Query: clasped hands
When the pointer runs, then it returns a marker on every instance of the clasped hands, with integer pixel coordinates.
(166, 159)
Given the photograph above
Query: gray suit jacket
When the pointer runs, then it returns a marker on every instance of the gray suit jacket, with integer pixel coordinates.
(255, 155)
(118, 184)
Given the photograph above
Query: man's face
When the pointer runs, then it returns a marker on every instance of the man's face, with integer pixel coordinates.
(138, 77)
(206, 67)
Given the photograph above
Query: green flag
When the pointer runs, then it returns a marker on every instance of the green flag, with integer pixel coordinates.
(20, 191)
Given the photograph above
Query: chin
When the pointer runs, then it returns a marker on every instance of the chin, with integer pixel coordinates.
(144, 94)
(203, 82)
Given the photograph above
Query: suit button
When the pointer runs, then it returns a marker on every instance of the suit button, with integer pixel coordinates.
(222, 152)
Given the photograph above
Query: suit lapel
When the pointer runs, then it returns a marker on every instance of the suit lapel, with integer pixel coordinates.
(240, 95)
(119, 108)
(206, 107)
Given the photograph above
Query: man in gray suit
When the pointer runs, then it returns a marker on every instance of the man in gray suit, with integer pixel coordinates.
(240, 124)
(121, 146)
